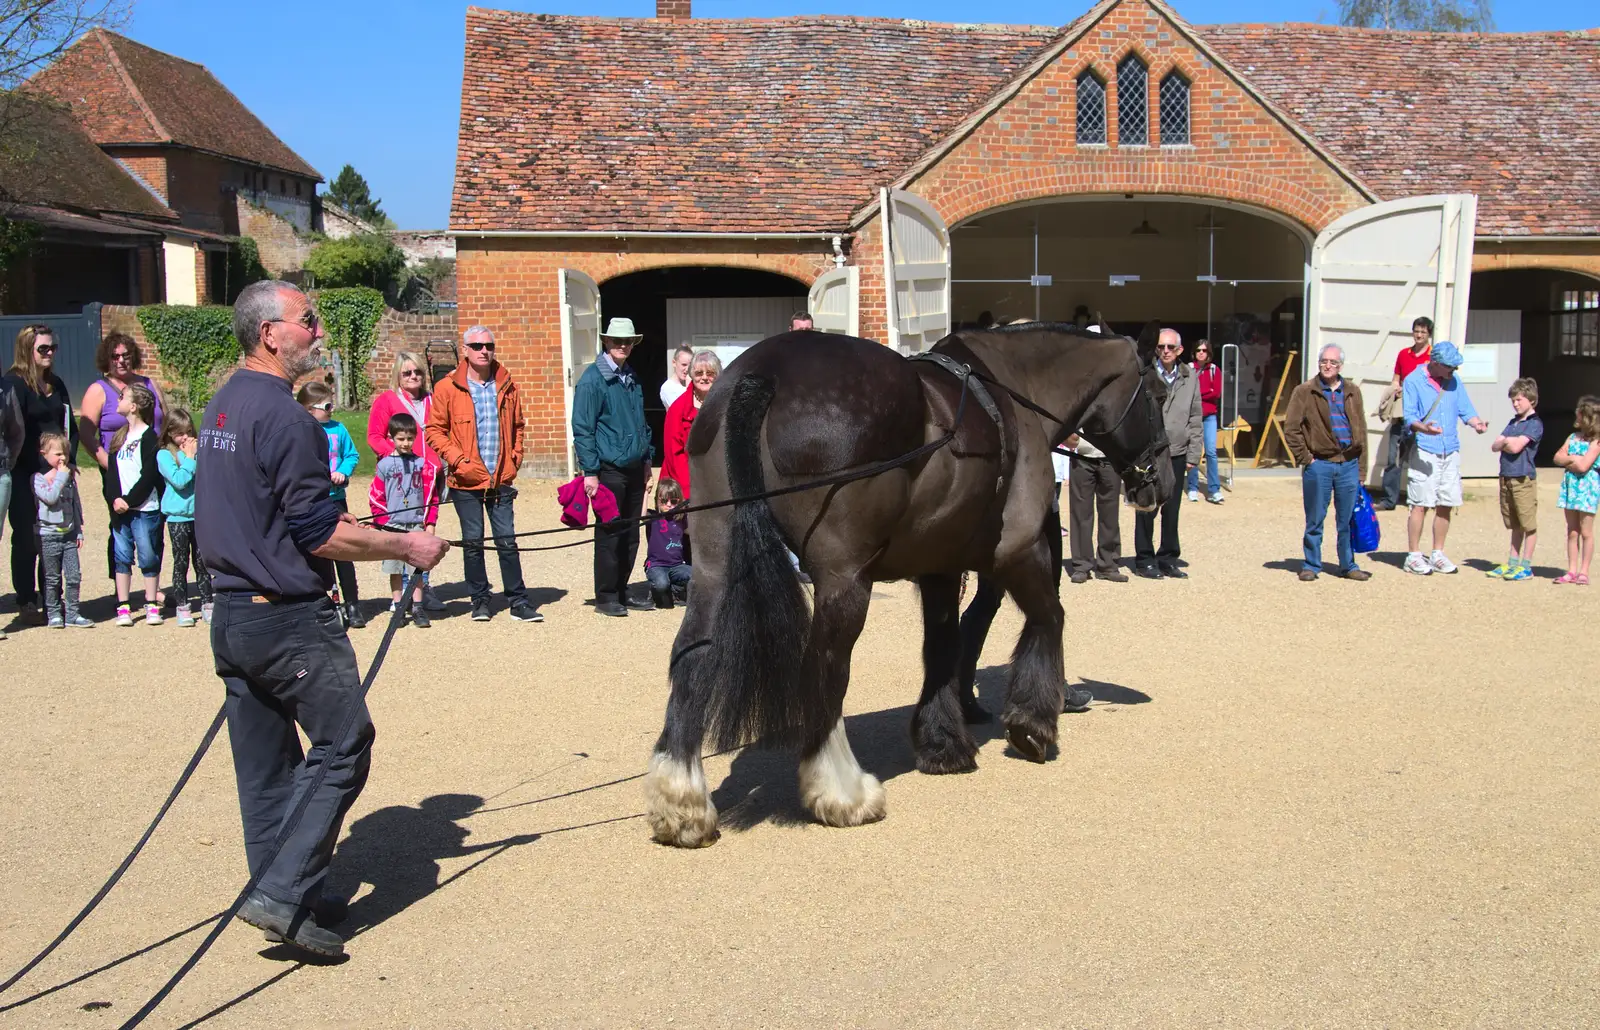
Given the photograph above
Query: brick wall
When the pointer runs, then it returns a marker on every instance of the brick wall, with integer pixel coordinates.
(406, 331)
(149, 165)
(282, 249)
(510, 284)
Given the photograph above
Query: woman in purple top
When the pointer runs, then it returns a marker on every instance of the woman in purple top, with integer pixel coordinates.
(118, 360)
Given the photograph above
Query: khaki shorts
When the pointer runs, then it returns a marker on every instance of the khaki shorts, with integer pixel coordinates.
(1519, 502)
(1433, 480)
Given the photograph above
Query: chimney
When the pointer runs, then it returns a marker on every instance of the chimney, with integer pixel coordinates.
(674, 10)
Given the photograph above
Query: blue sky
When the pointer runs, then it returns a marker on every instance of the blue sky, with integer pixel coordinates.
(377, 83)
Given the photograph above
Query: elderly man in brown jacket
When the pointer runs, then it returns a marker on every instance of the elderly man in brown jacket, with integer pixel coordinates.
(1326, 426)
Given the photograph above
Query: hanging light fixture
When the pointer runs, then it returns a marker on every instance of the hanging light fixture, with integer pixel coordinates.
(1144, 228)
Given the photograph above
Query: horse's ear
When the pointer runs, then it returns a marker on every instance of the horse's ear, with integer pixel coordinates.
(1146, 345)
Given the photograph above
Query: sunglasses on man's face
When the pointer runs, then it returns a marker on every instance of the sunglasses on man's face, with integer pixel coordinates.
(1170, 346)
(480, 345)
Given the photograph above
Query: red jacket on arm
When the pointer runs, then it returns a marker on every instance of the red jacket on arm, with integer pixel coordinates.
(1210, 379)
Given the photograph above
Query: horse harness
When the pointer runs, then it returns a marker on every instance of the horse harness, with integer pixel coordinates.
(978, 384)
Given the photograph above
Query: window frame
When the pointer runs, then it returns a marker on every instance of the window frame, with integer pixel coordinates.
(1100, 101)
(1174, 75)
(1575, 322)
(1140, 109)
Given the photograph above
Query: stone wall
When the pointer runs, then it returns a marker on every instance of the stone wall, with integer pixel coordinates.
(282, 249)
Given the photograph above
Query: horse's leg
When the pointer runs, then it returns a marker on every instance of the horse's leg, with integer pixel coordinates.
(677, 801)
(832, 783)
(938, 732)
(1033, 697)
(975, 623)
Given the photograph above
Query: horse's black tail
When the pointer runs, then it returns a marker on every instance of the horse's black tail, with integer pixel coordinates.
(753, 671)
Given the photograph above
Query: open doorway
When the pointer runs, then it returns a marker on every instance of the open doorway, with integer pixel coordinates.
(1210, 271)
(705, 307)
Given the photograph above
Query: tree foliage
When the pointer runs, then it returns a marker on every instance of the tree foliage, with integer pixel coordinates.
(365, 259)
(1425, 15)
(350, 320)
(33, 33)
(244, 267)
(194, 343)
(350, 191)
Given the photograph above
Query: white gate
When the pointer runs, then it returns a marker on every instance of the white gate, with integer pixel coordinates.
(580, 336)
(833, 300)
(916, 271)
(1374, 271)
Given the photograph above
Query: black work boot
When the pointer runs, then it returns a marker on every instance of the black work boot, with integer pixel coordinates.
(662, 598)
(292, 924)
(353, 617)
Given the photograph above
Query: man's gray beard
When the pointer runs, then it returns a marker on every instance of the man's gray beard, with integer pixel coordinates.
(305, 366)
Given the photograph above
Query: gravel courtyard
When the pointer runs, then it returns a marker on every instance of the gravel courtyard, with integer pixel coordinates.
(1327, 804)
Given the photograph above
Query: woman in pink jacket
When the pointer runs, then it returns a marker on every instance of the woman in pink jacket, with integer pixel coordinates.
(410, 392)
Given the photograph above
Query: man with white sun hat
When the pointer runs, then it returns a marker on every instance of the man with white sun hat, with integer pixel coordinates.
(612, 443)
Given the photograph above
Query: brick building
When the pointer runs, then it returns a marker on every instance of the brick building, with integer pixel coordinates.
(178, 132)
(1273, 187)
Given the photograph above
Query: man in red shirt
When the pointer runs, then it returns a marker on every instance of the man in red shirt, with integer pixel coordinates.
(1404, 364)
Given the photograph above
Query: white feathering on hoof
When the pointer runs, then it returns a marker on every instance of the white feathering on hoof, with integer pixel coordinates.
(834, 786)
(677, 804)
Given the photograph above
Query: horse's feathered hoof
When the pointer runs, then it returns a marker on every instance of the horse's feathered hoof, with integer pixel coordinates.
(865, 803)
(1028, 745)
(943, 763)
(677, 804)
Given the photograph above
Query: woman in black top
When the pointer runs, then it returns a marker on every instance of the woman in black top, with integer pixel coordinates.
(46, 408)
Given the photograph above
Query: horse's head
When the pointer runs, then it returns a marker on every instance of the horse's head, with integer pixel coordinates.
(1126, 423)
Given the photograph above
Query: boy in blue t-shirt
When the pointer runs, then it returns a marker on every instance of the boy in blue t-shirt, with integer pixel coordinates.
(317, 398)
(1519, 493)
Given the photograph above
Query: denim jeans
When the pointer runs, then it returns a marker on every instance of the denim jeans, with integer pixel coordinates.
(470, 507)
(1213, 478)
(663, 576)
(58, 555)
(136, 531)
(1322, 481)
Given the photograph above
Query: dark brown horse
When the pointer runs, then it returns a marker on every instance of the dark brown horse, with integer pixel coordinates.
(752, 661)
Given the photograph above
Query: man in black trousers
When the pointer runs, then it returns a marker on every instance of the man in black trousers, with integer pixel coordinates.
(1182, 416)
(270, 533)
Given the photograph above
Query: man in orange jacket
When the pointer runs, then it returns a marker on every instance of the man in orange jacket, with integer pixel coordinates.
(475, 426)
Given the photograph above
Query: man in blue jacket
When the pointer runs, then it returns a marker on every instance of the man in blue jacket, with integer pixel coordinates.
(612, 443)
(1435, 402)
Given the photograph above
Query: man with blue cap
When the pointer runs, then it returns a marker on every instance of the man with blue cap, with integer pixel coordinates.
(1435, 402)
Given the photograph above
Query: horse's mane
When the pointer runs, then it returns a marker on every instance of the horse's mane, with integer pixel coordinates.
(1054, 327)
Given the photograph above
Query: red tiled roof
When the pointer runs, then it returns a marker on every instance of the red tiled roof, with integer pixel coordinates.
(782, 125)
(1512, 117)
(128, 93)
(790, 124)
(51, 162)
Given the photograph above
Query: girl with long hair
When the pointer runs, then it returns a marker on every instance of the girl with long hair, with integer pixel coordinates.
(132, 485)
(42, 396)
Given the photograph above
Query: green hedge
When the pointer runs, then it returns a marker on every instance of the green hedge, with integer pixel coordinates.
(350, 318)
(194, 344)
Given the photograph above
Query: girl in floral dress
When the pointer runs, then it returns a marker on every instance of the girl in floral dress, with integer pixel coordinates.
(1580, 489)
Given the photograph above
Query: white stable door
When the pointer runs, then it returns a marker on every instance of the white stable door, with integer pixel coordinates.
(1376, 270)
(580, 337)
(916, 271)
(832, 302)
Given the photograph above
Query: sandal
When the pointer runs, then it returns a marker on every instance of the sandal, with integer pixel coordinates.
(1580, 580)
(1566, 577)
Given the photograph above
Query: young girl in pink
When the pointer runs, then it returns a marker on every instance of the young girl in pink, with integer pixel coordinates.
(1580, 489)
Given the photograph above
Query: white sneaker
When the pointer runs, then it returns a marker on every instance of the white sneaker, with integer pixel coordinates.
(1194, 495)
(205, 613)
(124, 615)
(185, 617)
(1215, 498)
(1417, 564)
(152, 615)
(1440, 563)
(78, 622)
(57, 622)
